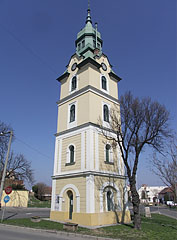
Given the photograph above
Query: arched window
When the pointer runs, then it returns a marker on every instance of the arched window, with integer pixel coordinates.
(104, 83)
(108, 149)
(106, 113)
(71, 151)
(72, 113)
(110, 205)
(73, 83)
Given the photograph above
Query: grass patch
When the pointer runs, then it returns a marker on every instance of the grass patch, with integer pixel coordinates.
(159, 227)
(34, 202)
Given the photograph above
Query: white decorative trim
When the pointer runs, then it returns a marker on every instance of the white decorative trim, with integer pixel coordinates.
(82, 151)
(60, 154)
(56, 157)
(96, 151)
(119, 200)
(89, 153)
(53, 194)
(88, 90)
(81, 173)
(75, 189)
(90, 193)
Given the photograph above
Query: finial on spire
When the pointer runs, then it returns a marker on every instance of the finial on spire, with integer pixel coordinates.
(88, 19)
(88, 4)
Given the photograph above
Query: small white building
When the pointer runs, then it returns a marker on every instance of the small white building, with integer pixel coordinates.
(149, 194)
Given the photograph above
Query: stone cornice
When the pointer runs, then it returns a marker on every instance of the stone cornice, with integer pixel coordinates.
(87, 173)
(83, 90)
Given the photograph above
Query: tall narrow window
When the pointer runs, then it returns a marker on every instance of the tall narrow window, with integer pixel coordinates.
(109, 201)
(72, 113)
(106, 113)
(108, 148)
(83, 43)
(71, 149)
(94, 43)
(104, 83)
(79, 46)
(73, 83)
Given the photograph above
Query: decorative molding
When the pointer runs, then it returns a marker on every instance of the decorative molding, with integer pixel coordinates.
(63, 76)
(87, 89)
(78, 173)
(60, 155)
(96, 152)
(118, 195)
(82, 150)
(75, 189)
(90, 193)
(53, 195)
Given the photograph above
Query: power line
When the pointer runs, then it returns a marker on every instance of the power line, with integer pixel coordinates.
(30, 50)
(34, 149)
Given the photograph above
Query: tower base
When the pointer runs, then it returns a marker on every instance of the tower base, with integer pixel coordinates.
(92, 219)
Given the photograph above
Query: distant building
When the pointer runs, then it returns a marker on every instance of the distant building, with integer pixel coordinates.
(149, 194)
(166, 195)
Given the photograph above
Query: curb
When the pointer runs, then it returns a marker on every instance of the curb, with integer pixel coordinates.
(69, 234)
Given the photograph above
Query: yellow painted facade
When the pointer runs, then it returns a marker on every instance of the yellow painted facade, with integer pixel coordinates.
(88, 183)
(17, 199)
(92, 219)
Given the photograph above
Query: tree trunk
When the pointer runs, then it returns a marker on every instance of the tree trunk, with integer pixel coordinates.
(135, 202)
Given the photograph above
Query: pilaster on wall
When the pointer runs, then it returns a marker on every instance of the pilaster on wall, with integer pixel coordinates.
(57, 161)
(90, 150)
(53, 195)
(90, 194)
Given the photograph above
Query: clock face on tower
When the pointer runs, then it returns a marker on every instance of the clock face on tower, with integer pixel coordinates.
(104, 67)
(74, 66)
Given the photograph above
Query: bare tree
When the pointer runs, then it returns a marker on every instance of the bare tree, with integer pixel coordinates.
(165, 166)
(17, 166)
(134, 124)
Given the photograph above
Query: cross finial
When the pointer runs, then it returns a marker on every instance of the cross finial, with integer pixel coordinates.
(88, 13)
(88, 4)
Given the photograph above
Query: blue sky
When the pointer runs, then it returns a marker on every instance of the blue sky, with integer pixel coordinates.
(37, 39)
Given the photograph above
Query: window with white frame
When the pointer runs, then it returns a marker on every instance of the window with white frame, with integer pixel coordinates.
(104, 82)
(108, 153)
(106, 113)
(110, 196)
(110, 204)
(70, 154)
(72, 114)
(73, 83)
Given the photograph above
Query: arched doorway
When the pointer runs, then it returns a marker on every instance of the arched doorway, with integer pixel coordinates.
(70, 198)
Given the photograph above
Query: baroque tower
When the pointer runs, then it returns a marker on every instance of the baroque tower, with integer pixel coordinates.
(88, 183)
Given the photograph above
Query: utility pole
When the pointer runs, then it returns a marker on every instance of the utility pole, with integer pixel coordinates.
(5, 165)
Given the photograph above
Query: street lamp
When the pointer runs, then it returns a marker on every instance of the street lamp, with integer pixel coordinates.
(5, 165)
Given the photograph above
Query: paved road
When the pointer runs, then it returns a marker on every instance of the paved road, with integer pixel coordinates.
(15, 233)
(12, 213)
(18, 233)
(165, 211)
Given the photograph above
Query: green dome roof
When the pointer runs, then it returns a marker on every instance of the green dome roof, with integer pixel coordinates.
(88, 39)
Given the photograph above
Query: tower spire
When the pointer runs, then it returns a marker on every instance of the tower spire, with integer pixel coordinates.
(88, 19)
